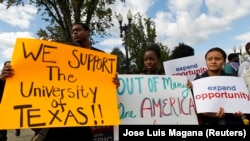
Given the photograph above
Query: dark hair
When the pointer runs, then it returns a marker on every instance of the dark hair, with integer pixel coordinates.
(84, 26)
(5, 63)
(218, 50)
(182, 50)
(247, 46)
(155, 48)
(232, 56)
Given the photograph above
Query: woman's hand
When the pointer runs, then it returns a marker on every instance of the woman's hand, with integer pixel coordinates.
(219, 114)
(7, 71)
(116, 81)
(238, 114)
(189, 84)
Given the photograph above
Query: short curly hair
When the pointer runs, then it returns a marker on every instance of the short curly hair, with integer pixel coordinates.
(84, 25)
(182, 50)
(155, 48)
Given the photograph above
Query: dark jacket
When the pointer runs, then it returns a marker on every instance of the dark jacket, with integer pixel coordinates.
(229, 119)
(69, 134)
(2, 84)
(3, 133)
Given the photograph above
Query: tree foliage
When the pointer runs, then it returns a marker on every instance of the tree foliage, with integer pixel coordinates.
(60, 14)
(121, 61)
(141, 35)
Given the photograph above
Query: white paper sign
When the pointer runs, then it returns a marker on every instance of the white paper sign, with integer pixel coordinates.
(229, 92)
(187, 66)
(155, 99)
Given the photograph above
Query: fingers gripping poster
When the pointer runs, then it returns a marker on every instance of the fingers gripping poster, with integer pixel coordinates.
(58, 85)
(155, 99)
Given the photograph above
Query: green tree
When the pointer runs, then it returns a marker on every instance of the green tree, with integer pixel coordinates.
(165, 52)
(60, 14)
(121, 61)
(142, 33)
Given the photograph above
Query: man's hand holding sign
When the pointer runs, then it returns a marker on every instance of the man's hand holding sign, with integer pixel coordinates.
(51, 90)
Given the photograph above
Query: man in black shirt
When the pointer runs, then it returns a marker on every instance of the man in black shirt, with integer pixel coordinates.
(81, 34)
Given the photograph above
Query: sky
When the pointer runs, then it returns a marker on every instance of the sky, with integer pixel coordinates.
(202, 24)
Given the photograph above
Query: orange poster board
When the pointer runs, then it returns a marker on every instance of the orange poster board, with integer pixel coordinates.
(58, 85)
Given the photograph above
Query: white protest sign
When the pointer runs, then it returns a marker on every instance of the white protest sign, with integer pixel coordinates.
(155, 99)
(229, 92)
(187, 66)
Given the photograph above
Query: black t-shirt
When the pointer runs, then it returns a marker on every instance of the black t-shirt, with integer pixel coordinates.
(69, 134)
(2, 84)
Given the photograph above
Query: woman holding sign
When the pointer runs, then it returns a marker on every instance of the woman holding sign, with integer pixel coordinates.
(215, 59)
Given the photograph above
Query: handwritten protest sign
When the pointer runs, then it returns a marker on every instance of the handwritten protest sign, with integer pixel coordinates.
(58, 85)
(155, 99)
(229, 92)
(187, 66)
